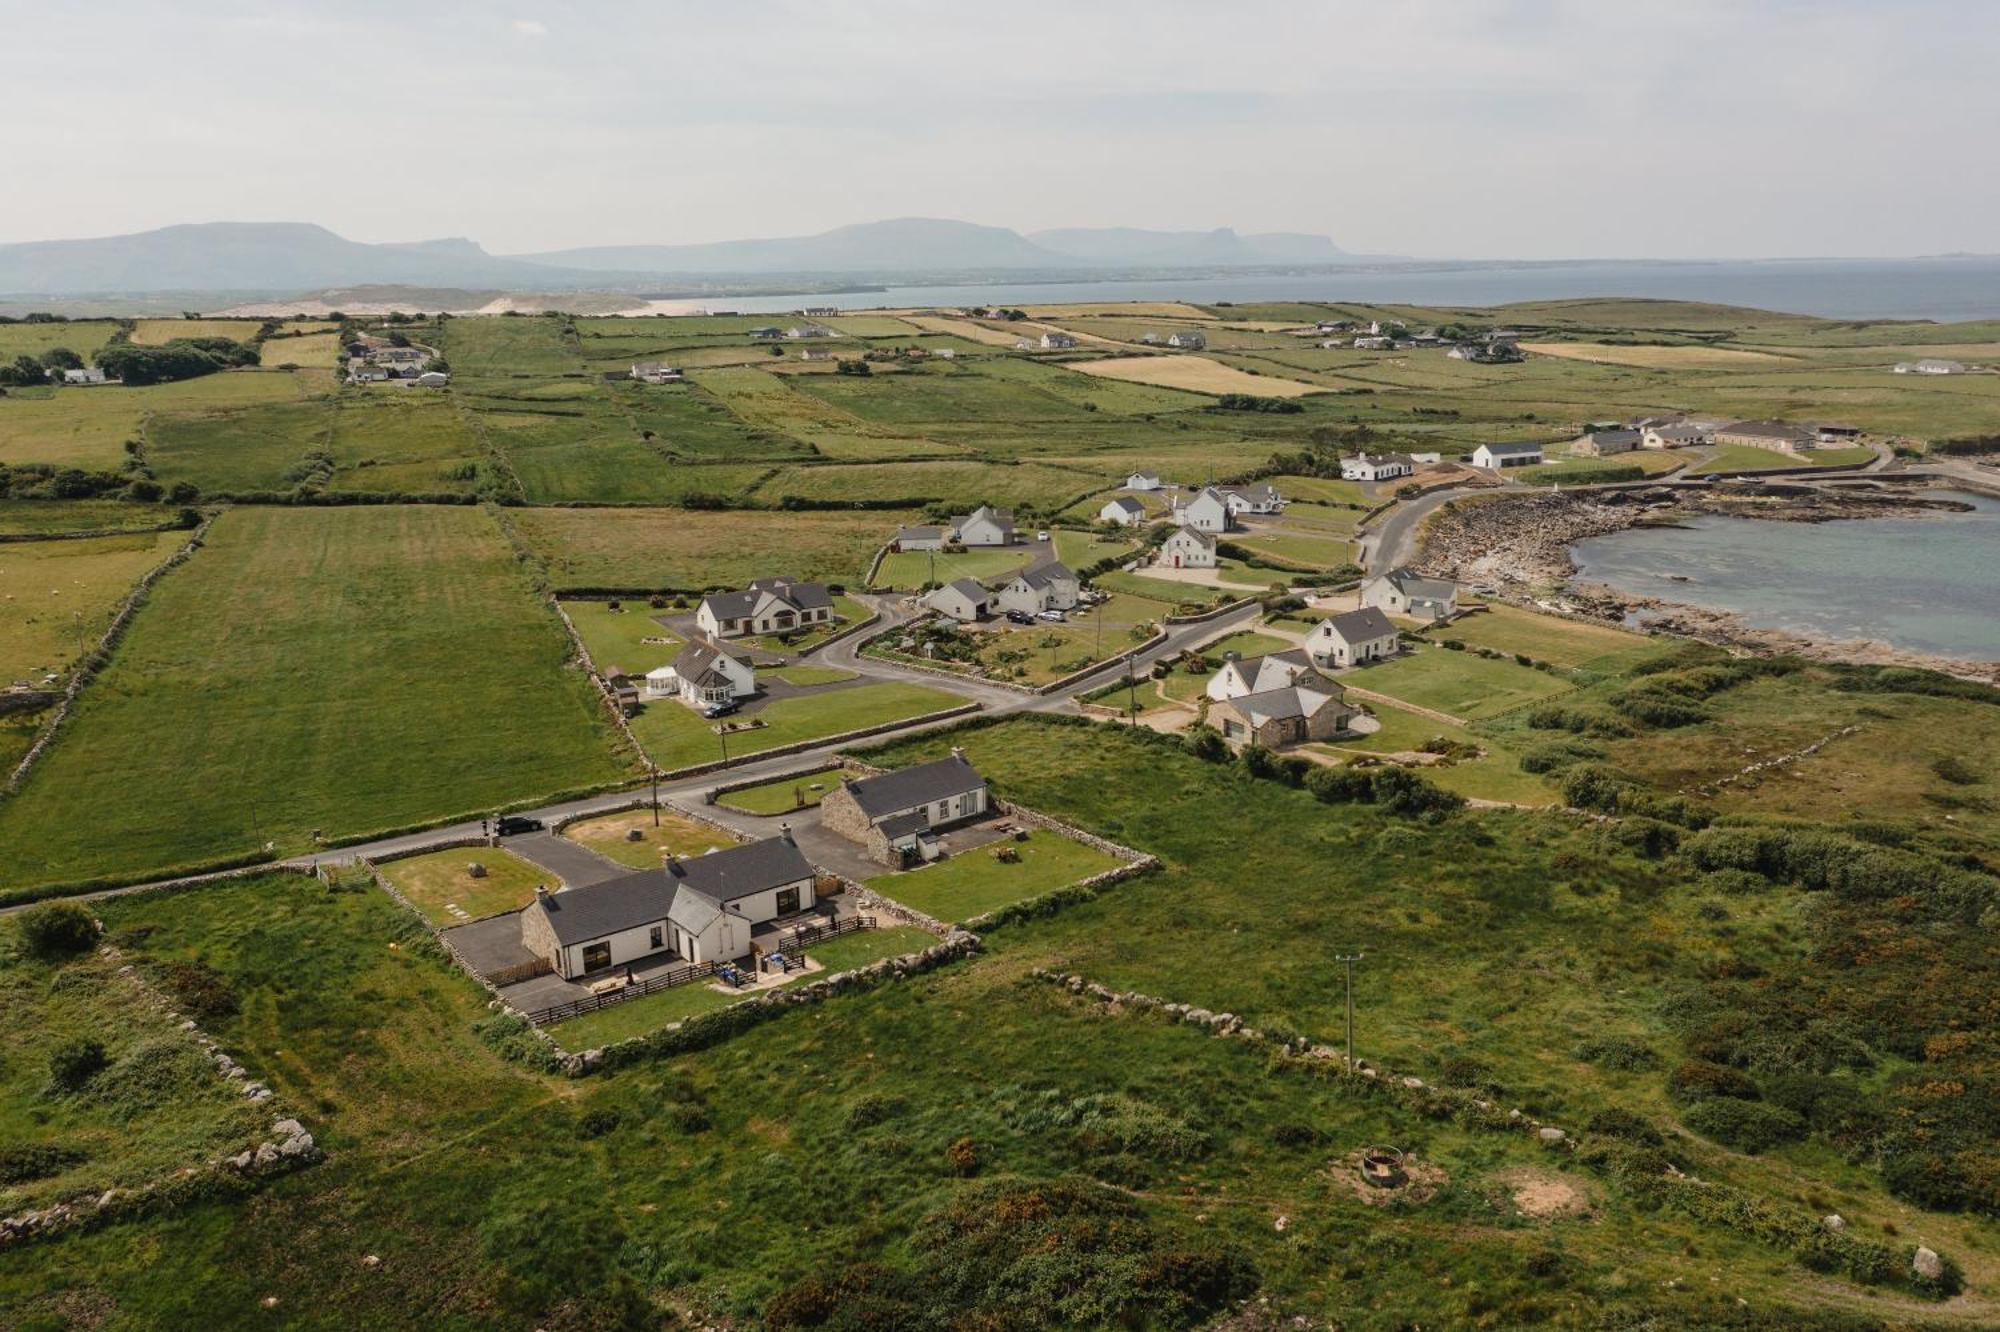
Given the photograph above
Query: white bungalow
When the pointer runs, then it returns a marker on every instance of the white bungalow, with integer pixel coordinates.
(1409, 593)
(1122, 511)
(1495, 457)
(767, 606)
(1351, 638)
(702, 675)
(1143, 481)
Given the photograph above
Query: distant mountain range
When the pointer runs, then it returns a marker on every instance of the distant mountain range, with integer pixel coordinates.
(299, 256)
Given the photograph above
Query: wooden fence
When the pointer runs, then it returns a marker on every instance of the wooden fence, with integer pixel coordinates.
(665, 980)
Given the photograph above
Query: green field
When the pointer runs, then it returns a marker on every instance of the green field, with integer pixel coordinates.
(784, 795)
(676, 737)
(693, 551)
(974, 882)
(439, 880)
(1459, 684)
(912, 569)
(87, 427)
(58, 597)
(1573, 644)
(392, 667)
(610, 835)
(618, 640)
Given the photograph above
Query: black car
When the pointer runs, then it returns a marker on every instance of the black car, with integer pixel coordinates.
(511, 824)
(1020, 617)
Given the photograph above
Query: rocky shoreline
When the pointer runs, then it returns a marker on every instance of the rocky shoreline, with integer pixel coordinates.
(1518, 547)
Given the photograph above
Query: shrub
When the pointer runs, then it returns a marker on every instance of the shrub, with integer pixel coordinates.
(1955, 770)
(1618, 1122)
(74, 1063)
(1746, 1126)
(597, 1122)
(197, 987)
(26, 1162)
(688, 1117)
(962, 1155)
(1620, 1053)
(1701, 1079)
(54, 930)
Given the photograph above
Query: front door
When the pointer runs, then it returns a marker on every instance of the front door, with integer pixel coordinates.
(597, 955)
(788, 901)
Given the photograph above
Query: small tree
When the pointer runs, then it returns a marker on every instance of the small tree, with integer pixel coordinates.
(57, 929)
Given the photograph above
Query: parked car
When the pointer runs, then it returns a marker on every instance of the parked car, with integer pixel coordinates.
(510, 824)
(1020, 617)
(1053, 615)
(719, 709)
(1041, 536)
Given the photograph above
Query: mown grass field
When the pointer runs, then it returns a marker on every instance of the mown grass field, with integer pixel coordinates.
(977, 881)
(58, 597)
(787, 793)
(393, 666)
(1459, 684)
(692, 551)
(439, 880)
(610, 836)
(1196, 373)
(87, 427)
(676, 737)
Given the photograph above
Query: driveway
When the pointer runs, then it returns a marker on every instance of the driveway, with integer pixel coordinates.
(573, 863)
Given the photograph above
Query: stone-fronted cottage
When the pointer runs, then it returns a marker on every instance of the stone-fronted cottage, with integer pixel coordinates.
(708, 908)
(896, 814)
(1276, 718)
(1351, 638)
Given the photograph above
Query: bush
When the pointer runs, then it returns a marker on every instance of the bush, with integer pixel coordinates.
(204, 992)
(55, 930)
(31, 1161)
(1617, 1122)
(1746, 1126)
(962, 1155)
(1701, 1079)
(1620, 1053)
(1955, 770)
(74, 1063)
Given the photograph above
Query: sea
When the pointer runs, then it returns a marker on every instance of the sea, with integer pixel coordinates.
(1945, 289)
(1926, 584)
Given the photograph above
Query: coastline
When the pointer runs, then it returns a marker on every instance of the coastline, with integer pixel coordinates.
(1519, 548)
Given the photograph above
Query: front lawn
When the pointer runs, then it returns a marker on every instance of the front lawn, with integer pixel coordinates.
(630, 638)
(610, 836)
(804, 676)
(437, 881)
(676, 737)
(911, 569)
(1080, 550)
(784, 795)
(1459, 684)
(975, 882)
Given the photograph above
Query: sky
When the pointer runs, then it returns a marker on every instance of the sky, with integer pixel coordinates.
(1536, 129)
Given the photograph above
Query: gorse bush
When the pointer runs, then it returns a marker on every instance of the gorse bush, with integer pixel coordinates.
(54, 930)
(74, 1063)
(1746, 1126)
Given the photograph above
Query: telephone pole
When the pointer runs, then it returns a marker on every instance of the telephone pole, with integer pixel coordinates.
(1348, 960)
(655, 769)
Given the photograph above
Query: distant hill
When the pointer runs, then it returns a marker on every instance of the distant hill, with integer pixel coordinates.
(285, 257)
(252, 256)
(1135, 247)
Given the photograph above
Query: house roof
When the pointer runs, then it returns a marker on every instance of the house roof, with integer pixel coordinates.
(1194, 534)
(1042, 575)
(1264, 494)
(1125, 504)
(1767, 429)
(699, 658)
(690, 892)
(598, 909)
(1358, 626)
(1619, 436)
(724, 876)
(799, 596)
(1281, 704)
(970, 588)
(1413, 584)
(919, 533)
(1145, 476)
(1510, 450)
(908, 788)
(902, 825)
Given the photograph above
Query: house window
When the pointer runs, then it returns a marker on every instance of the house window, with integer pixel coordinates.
(658, 940)
(596, 955)
(944, 809)
(788, 901)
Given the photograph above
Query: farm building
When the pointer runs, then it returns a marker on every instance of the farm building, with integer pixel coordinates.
(1122, 510)
(1604, 443)
(1780, 436)
(712, 908)
(1494, 457)
(895, 815)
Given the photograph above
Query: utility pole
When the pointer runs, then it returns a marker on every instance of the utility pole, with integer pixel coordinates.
(654, 768)
(1348, 960)
(722, 734)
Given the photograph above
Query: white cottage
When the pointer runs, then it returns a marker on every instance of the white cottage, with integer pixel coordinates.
(1122, 511)
(1406, 592)
(1188, 548)
(1045, 587)
(1208, 511)
(961, 599)
(1351, 638)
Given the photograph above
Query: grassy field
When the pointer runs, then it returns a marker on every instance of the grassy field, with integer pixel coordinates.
(784, 795)
(1569, 643)
(974, 882)
(962, 485)
(318, 351)
(58, 597)
(1459, 684)
(1691, 356)
(629, 639)
(153, 332)
(1195, 373)
(393, 667)
(912, 569)
(20, 517)
(691, 551)
(440, 880)
(87, 427)
(610, 835)
(676, 737)
(85, 337)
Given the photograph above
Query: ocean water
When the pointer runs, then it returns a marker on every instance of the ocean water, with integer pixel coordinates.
(1942, 289)
(1927, 584)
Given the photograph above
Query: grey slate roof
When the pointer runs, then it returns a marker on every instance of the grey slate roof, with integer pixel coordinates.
(1511, 450)
(1128, 504)
(919, 533)
(1358, 626)
(971, 588)
(1413, 584)
(1282, 704)
(690, 894)
(598, 909)
(907, 788)
(699, 657)
(1619, 436)
(1042, 575)
(902, 825)
(736, 605)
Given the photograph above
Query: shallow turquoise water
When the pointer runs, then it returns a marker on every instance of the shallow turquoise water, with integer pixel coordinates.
(1927, 584)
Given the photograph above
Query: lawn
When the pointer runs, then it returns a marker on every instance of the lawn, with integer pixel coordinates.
(912, 569)
(440, 880)
(676, 737)
(1459, 684)
(610, 836)
(1080, 550)
(975, 882)
(688, 550)
(1298, 548)
(636, 1017)
(846, 611)
(802, 791)
(1744, 458)
(1246, 643)
(1573, 644)
(392, 667)
(807, 676)
(58, 597)
(630, 639)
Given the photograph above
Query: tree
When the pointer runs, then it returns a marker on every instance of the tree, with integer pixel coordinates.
(57, 929)
(26, 372)
(62, 358)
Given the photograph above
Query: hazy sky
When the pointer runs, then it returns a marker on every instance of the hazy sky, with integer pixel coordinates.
(1522, 128)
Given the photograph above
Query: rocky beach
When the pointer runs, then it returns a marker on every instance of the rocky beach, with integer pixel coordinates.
(1520, 548)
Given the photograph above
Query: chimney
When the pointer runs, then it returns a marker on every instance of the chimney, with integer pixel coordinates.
(542, 893)
(958, 751)
(674, 865)
(785, 831)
